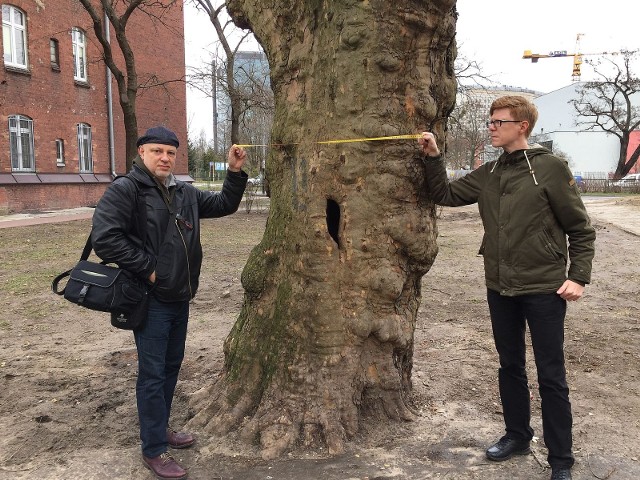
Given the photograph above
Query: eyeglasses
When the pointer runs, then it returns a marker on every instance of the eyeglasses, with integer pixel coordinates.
(498, 123)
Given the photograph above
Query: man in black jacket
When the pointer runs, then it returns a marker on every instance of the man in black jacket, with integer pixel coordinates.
(149, 224)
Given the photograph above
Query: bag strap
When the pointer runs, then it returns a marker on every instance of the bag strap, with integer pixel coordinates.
(86, 251)
(56, 281)
(141, 216)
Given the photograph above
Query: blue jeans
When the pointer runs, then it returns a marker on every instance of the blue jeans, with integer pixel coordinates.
(545, 315)
(160, 346)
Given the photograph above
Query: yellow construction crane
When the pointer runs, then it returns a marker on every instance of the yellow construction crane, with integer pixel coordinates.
(577, 57)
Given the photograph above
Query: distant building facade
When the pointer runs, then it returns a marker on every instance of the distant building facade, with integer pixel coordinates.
(591, 153)
(251, 77)
(61, 127)
(252, 82)
(485, 96)
(634, 142)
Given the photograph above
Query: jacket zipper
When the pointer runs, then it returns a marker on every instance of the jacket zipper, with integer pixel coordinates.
(186, 254)
(551, 245)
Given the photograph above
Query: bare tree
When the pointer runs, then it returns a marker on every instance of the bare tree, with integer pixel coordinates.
(216, 16)
(324, 340)
(467, 135)
(253, 90)
(127, 78)
(252, 115)
(611, 104)
(469, 77)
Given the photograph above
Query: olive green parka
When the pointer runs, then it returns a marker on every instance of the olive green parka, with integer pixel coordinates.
(530, 205)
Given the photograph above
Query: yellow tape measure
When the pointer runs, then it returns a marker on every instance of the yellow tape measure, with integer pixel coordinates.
(412, 136)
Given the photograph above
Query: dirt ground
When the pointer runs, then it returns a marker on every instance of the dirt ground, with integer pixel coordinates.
(67, 378)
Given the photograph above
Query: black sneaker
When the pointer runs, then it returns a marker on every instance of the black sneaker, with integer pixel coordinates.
(561, 473)
(506, 447)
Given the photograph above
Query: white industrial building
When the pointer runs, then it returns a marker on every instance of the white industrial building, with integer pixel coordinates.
(591, 154)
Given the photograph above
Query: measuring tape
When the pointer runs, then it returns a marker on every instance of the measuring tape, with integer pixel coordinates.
(412, 136)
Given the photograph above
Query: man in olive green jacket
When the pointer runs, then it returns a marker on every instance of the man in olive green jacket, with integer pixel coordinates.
(529, 205)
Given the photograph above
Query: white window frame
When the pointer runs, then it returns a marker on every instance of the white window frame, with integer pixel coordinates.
(21, 148)
(14, 35)
(85, 155)
(79, 42)
(60, 152)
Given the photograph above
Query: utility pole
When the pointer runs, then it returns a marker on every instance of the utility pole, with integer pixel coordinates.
(214, 90)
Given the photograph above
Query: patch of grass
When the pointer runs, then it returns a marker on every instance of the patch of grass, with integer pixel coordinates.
(20, 283)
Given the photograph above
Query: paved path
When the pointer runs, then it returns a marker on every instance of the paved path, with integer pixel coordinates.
(37, 218)
(614, 211)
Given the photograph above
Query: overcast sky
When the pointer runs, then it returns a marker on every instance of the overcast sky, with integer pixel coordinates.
(495, 33)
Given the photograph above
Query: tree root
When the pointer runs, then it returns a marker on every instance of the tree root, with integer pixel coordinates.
(282, 421)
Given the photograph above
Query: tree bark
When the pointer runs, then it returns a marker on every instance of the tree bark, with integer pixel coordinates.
(325, 335)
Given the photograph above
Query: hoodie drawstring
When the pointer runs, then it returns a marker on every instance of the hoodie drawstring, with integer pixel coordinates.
(530, 168)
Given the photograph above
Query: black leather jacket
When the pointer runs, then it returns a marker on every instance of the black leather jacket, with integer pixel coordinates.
(173, 252)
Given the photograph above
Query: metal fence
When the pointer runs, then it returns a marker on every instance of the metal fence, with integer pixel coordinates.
(605, 185)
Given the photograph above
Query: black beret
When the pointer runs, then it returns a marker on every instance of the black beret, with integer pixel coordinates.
(161, 135)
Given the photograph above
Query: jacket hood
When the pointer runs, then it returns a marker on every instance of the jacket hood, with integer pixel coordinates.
(519, 155)
(522, 155)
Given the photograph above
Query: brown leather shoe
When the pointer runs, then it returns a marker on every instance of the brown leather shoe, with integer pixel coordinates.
(165, 467)
(179, 439)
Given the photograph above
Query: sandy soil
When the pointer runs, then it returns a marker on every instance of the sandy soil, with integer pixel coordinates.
(67, 378)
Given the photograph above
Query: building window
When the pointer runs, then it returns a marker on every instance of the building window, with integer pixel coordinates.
(14, 36)
(84, 148)
(21, 144)
(54, 53)
(79, 41)
(60, 152)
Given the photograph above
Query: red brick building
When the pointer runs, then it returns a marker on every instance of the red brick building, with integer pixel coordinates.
(634, 142)
(57, 116)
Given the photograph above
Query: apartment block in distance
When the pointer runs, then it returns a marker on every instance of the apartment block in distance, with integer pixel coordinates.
(62, 136)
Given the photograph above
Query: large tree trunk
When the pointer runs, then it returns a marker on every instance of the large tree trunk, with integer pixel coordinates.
(325, 335)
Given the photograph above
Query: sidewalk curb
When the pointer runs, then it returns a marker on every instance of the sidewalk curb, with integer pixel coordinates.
(27, 219)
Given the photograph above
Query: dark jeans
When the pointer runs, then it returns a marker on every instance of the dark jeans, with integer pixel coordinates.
(545, 315)
(160, 346)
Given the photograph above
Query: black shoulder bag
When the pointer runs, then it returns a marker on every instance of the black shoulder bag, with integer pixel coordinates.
(106, 288)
